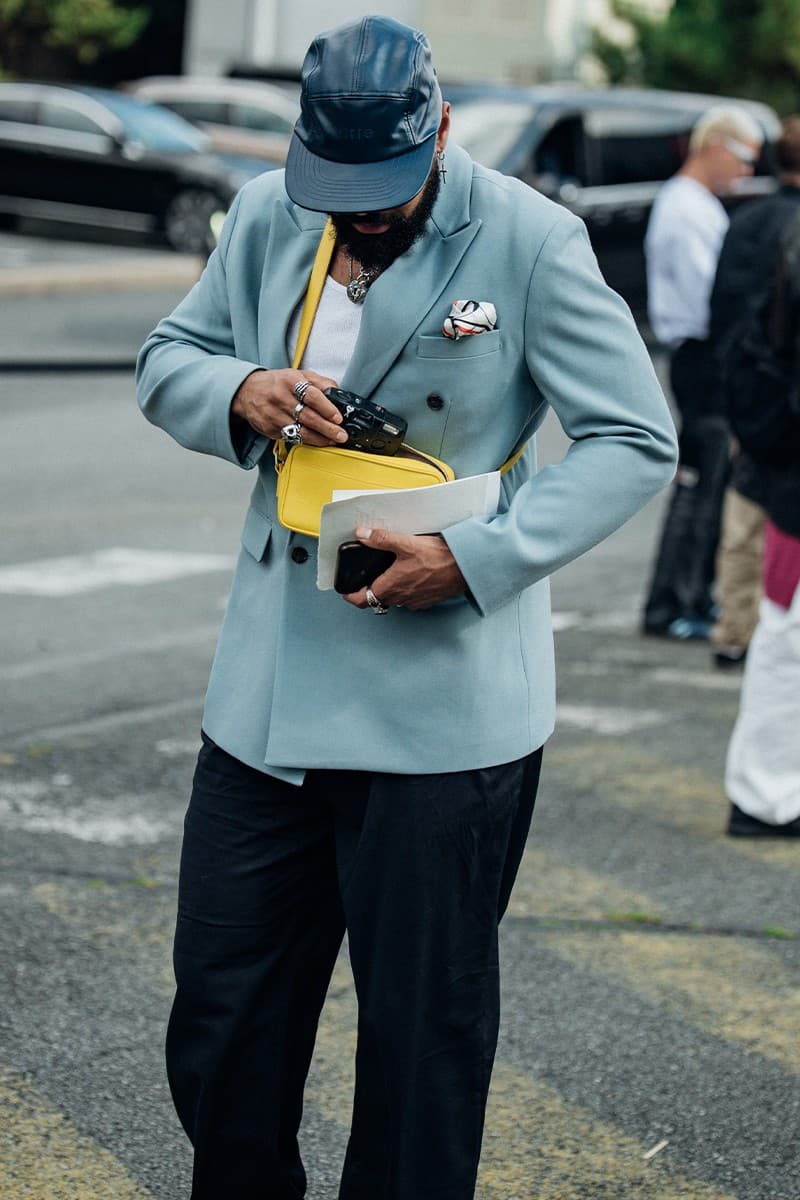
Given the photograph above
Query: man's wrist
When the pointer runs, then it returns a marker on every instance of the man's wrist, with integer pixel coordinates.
(239, 406)
(242, 432)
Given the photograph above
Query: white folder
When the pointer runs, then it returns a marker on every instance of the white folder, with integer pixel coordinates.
(406, 510)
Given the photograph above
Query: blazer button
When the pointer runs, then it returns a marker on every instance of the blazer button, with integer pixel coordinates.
(299, 554)
(435, 401)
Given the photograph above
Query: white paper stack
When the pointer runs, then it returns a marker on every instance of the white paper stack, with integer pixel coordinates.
(407, 510)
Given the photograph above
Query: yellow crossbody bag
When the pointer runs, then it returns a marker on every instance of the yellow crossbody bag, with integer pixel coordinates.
(309, 475)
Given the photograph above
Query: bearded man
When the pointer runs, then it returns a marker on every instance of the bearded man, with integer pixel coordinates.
(370, 762)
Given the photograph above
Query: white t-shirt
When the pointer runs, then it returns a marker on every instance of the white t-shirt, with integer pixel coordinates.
(333, 335)
(684, 237)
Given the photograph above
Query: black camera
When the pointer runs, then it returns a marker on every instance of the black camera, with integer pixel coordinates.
(368, 426)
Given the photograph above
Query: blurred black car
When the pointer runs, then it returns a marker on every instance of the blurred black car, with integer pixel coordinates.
(97, 158)
(601, 153)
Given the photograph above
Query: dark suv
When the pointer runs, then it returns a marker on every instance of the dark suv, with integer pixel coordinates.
(93, 157)
(603, 154)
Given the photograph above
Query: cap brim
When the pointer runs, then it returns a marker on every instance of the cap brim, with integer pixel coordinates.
(325, 186)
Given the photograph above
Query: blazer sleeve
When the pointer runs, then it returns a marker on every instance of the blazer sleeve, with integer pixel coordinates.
(584, 352)
(187, 372)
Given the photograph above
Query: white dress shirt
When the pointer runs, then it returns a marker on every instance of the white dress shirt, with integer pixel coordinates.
(684, 236)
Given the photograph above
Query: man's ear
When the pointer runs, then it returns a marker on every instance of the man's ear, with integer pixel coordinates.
(444, 127)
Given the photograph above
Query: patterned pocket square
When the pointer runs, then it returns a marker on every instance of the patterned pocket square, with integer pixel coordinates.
(468, 317)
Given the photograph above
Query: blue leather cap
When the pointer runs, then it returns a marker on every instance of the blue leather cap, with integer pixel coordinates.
(370, 109)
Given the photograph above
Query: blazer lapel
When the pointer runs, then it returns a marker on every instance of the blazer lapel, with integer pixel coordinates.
(399, 301)
(287, 268)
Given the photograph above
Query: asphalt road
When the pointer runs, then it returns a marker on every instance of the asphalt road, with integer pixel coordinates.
(649, 1044)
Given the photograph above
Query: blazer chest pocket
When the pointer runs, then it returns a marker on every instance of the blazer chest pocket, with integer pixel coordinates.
(453, 351)
(256, 534)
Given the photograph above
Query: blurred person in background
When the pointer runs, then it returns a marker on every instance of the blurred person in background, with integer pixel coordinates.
(762, 775)
(684, 237)
(745, 272)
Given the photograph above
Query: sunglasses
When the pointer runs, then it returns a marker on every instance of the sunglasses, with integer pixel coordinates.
(739, 150)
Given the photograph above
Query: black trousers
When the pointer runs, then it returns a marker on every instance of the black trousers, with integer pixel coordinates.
(418, 869)
(683, 573)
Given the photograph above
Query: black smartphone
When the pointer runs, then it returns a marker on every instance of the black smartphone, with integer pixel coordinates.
(358, 565)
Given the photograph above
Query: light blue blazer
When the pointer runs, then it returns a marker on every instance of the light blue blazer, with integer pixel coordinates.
(301, 679)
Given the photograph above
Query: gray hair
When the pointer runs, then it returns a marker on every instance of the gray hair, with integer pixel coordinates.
(725, 121)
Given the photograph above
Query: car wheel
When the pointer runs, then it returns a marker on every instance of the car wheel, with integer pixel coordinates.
(187, 220)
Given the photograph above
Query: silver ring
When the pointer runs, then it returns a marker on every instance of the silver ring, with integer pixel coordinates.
(301, 387)
(298, 408)
(375, 604)
(292, 434)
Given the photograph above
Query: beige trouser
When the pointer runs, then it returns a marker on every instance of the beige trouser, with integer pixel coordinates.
(738, 576)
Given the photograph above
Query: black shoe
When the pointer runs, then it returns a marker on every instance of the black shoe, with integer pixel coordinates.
(741, 824)
(725, 657)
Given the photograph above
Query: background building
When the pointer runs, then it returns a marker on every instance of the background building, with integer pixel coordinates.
(524, 40)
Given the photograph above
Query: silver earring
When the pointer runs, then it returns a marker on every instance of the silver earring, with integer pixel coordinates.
(442, 167)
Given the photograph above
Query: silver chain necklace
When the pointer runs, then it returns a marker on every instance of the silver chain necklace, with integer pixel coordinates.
(360, 284)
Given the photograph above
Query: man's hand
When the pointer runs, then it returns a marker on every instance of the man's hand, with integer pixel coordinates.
(266, 401)
(423, 574)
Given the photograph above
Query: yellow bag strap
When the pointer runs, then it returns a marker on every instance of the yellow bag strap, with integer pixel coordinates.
(515, 457)
(316, 283)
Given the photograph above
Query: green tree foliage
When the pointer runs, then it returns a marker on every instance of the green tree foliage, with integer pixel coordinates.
(54, 37)
(729, 47)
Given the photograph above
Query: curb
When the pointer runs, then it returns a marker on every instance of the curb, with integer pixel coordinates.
(129, 274)
(66, 366)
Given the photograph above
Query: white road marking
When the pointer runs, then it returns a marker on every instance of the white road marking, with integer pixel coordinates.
(105, 568)
(29, 807)
(609, 722)
(118, 720)
(619, 621)
(174, 748)
(713, 681)
(566, 620)
(71, 662)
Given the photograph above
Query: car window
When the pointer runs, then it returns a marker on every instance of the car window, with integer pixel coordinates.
(488, 129)
(253, 116)
(635, 145)
(213, 111)
(560, 158)
(56, 115)
(14, 108)
(155, 127)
